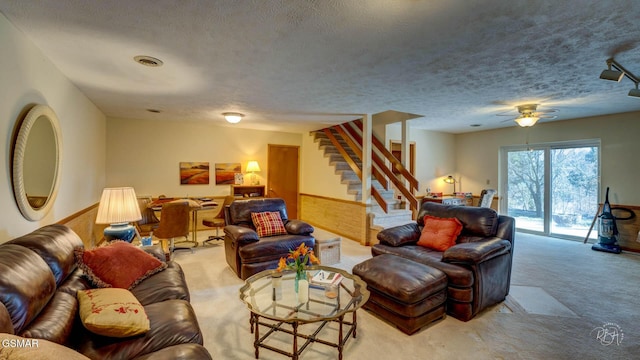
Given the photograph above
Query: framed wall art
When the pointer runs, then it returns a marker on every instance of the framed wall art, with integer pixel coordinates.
(194, 173)
(226, 173)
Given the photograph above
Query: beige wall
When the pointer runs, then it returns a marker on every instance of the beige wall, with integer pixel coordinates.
(29, 78)
(146, 154)
(477, 153)
(435, 157)
(318, 176)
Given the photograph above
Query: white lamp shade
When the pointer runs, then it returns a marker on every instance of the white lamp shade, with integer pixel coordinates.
(526, 121)
(117, 206)
(252, 166)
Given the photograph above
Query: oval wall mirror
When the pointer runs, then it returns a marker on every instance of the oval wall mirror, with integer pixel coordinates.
(36, 162)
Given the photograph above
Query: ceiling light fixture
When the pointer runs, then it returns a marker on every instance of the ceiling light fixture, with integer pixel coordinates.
(618, 74)
(148, 61)
(233, 117)
(527, 120)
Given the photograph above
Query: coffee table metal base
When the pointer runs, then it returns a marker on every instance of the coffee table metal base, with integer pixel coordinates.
(276, 326)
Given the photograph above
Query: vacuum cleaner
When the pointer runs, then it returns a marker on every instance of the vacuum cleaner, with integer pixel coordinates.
(608, 230)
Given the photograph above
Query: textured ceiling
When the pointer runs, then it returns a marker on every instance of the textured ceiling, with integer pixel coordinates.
(301, 64)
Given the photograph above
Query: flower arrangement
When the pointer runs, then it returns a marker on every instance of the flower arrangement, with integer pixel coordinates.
(297, 260)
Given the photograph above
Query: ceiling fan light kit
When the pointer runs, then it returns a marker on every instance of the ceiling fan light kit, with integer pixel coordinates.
(618, 74)
(526, 120)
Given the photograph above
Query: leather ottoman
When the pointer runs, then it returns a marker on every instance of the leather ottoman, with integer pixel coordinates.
(405, 293)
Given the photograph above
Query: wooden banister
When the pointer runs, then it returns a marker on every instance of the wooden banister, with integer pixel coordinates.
(354, 139)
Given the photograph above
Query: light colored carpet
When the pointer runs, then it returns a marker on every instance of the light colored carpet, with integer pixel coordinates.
(563, 296)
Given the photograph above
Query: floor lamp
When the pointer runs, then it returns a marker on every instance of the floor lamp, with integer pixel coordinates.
(118, 207)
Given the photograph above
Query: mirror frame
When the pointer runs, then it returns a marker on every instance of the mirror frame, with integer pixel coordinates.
(37, 112)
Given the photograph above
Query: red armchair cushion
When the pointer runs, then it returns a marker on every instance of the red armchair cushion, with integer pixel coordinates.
(439, 233)
(268, 223)
(119, 265)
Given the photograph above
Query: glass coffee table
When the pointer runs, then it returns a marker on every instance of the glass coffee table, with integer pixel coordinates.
(274, 305)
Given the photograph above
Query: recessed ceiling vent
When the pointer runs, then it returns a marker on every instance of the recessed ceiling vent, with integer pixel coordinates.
(148, 61)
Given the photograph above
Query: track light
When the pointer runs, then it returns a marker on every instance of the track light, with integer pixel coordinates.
(635, 92)
(618, 74)
(614, 75)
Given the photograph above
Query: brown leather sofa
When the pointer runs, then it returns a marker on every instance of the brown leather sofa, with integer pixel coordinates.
(248, 254)
(38, 284)
(478, 267)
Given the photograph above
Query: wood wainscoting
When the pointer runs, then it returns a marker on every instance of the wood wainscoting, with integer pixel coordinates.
(84, 224)
(342, 217)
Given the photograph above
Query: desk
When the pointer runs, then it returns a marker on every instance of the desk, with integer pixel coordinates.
(195, 205)
(447, 200)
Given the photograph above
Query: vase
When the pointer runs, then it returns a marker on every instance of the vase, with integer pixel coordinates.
(300, 275)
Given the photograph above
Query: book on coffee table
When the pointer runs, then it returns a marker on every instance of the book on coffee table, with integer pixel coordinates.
(324, 277)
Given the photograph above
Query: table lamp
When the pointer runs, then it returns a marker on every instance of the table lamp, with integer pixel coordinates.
(118, 207)
(451, 180)
(252, 167)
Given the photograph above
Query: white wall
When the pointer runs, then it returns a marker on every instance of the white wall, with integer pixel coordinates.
(146, 154)
(29, 78)
(477, 154)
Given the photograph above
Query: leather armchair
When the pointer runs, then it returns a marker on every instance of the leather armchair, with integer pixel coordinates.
(246, 252)
(478, 267)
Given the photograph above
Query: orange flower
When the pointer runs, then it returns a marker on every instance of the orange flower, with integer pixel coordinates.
(282, 264)
(313, 258)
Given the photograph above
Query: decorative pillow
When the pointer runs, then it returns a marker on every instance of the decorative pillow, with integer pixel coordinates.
(19, 348)
(112, 312)
(439, 233)
(268, 223)
(118, 264)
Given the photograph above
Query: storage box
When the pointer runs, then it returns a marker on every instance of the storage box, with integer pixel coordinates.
(328, 250)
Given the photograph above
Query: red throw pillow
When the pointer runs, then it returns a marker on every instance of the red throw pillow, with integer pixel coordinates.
(118, 264)
(439, 233)
(268, 223)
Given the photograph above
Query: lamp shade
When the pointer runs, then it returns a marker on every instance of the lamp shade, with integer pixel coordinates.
(252, 166)
(526, 120)
(449, 180)
(118, 206)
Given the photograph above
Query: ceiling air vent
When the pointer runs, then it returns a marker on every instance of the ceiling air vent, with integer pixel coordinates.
(148, 61)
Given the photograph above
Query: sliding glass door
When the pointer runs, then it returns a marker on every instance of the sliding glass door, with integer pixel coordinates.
(552, 189)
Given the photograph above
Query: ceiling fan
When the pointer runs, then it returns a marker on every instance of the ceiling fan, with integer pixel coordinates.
(528, 114)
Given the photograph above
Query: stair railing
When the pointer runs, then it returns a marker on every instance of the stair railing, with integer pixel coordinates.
(352, 162)
(395, 163)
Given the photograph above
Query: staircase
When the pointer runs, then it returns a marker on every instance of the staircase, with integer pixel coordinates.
(396, 213)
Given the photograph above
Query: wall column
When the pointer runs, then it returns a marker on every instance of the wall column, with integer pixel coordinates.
(367, 132)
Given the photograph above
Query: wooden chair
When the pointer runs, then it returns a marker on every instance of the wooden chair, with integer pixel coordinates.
(217, 221)
(174, 223)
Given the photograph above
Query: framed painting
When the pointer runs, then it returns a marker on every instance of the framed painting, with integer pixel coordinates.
(194, 173)
(226, 173)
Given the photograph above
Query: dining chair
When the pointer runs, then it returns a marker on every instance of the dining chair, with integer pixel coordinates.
(149, 222)
(218, 222)
(174, 223)
(486, 197)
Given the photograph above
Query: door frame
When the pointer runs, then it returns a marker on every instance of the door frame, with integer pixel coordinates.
(503, 180)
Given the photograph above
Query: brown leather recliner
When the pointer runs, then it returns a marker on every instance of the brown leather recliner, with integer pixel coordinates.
(478, 267)
(248, 254)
